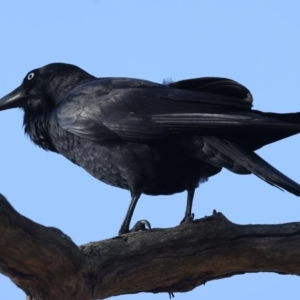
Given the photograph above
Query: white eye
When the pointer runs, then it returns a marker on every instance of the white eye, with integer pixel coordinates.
(30, 76)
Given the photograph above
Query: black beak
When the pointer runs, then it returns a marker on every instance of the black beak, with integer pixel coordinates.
(13, 99)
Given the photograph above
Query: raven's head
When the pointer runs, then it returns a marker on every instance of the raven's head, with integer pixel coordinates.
(40, 92)
(44, 88)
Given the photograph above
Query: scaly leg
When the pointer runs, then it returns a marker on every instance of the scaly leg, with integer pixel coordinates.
(125, 225)
(188, 217)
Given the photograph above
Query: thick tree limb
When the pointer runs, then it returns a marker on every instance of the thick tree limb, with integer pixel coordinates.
(46, 264)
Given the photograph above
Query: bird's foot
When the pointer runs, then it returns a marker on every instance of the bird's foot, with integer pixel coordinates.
(187, 219)
(141, 225)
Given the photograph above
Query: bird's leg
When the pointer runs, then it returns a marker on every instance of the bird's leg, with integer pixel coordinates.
(188, 216)
(125, 225)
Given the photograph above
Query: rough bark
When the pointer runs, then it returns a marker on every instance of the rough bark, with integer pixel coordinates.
(46, 264)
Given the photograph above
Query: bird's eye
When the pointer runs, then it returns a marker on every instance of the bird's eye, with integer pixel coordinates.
(30, 76)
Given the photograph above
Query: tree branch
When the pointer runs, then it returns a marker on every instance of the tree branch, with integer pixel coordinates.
(46, 264)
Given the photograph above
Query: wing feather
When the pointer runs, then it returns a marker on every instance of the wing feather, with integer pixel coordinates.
(139, 110)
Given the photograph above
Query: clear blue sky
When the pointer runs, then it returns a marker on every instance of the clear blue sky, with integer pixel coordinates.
(254, 42)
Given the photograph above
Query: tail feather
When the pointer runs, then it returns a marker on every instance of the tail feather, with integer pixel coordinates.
(293, 118)
(254, 164)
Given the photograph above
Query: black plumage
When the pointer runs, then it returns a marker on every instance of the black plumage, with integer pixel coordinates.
(147, 137)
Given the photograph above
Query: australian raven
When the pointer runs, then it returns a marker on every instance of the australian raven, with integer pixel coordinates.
(156, 139)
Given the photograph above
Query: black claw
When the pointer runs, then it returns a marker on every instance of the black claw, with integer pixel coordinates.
(141, 226)
(188, 219)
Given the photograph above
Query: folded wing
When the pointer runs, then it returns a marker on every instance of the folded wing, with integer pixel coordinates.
(139, 110)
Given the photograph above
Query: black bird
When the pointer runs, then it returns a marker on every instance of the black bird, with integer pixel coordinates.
(147, 137)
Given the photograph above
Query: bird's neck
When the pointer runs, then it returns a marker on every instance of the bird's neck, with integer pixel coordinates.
(36, 126)
(59, 87)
